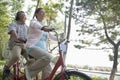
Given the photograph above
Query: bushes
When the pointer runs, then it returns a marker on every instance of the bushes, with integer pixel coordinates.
(2, 63)
(99, 78)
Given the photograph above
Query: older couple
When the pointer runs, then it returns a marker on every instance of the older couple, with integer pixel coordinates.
(31, 41)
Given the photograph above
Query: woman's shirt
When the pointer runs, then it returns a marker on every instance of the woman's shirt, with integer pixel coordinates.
(36, 37)
(42, 42)
(34, 33)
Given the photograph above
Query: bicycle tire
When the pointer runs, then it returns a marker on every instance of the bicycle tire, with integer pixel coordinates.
(72, 75)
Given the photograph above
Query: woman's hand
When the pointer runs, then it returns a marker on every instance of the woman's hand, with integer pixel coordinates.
(62, 37)
(47, 29)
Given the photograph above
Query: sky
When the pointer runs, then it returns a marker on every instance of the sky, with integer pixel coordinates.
(80, 57)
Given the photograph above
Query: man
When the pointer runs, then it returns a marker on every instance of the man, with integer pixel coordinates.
(18, 37)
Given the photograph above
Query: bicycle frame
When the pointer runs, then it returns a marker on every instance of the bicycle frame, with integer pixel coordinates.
(17, 71)
(59, 63)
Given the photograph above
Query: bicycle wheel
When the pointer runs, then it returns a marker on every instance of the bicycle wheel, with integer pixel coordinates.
(73, 75)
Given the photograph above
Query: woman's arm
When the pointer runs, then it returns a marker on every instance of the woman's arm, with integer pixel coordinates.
(52, 37)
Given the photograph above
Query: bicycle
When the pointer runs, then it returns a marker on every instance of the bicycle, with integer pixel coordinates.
(65, 74)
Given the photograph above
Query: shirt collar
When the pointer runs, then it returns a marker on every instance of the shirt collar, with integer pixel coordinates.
(18, 22)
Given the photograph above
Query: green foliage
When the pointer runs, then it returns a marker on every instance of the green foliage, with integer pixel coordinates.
(52, 8)
(90, 15)
(2, 63)
(99, 78)
(15, 6)
(105, 29)
(4, 21)
(8, 9)
(4, 15)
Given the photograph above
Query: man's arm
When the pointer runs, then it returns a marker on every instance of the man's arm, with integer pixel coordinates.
(14, 34)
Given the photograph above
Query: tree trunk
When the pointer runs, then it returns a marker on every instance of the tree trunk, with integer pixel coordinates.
(115, 51)
(69, 27)
(115, 63)
(112, 75)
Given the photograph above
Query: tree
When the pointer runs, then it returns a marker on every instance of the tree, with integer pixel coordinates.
(68, 14)
(14, 6)
(4, 20)
(106, 16)
(52, 8)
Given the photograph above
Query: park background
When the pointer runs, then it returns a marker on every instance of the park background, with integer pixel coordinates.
(90, 56)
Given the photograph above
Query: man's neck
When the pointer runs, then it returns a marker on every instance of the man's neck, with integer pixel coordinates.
(20, 22)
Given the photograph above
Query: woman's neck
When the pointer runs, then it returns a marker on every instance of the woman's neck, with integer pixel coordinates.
(39, 20)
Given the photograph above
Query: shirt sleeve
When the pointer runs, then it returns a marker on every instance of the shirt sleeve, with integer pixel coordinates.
(36, 24)
(11, 27)
(52, 37)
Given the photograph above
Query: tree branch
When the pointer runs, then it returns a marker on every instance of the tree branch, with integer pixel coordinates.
(105, 28)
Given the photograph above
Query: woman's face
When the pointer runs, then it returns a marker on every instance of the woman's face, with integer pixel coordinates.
(40, 15)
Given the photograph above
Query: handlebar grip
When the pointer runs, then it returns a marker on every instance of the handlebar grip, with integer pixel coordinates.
(52, 29)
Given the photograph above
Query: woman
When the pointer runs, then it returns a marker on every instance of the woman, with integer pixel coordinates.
(38, 35)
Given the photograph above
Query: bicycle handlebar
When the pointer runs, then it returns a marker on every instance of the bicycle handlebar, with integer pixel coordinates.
(61, 44)
(52, 29)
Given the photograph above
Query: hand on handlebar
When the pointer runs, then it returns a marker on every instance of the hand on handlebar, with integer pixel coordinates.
(47, 29)
(52, 29)
(62, 39)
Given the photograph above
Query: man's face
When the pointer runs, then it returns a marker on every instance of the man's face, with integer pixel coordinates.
(23, 18)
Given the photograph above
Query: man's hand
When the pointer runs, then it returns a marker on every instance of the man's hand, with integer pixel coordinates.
(22, 39)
